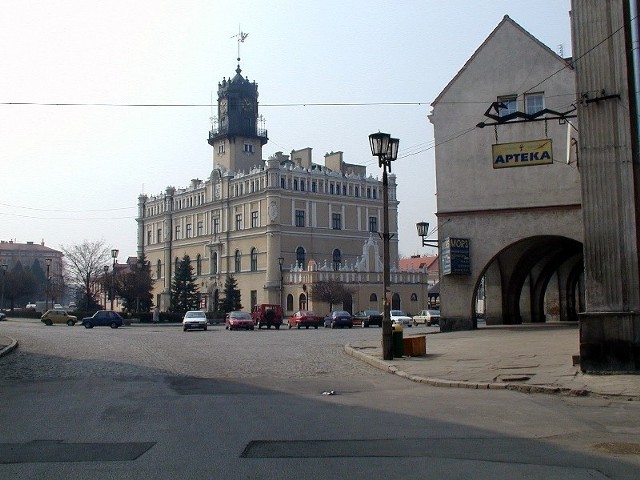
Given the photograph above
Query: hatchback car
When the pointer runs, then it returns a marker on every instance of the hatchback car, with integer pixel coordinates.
(366, 318)
(103, 318)
(428, 317)
(194, 319)
(339, 318)
(58, 316)
(305, 318)
(399, 317)
(235, 320)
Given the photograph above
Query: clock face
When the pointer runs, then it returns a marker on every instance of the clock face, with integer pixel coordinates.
(247, 104)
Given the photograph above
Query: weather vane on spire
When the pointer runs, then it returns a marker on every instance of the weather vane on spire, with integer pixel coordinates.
(241, 36)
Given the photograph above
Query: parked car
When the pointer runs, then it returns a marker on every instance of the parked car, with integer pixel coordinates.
(72, 306)
(103, 318)
(399, 317)
(30, 306)
(339, 318)
(194, 319)
(305, 318)
(58, 306)
(58, 316)
(266, 314)
(2, 316)
(235, 320)
(366, 318)
(428, 317)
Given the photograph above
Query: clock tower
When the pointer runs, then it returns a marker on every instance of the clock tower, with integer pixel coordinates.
(239, 135)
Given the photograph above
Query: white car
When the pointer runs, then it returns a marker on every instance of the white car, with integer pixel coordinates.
(194, 319)
(399, 317)
(428, 317)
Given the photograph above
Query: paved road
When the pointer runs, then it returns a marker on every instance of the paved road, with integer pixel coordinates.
(154, 402)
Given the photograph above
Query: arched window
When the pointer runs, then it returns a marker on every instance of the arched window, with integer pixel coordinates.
(237, 262)
(198, 265)
(177, 262)
(302, 302)
(254, 260)
(214, 267)
(395, 302)
(414, 297)
(373, 298)
(289, 303)
(337, 259)
(159, 269)
(300, 256)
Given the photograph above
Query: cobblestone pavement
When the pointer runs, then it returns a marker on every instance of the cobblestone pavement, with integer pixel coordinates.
(75, 352)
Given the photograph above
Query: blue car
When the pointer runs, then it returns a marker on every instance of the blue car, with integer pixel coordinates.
(339, 318)
(103, 318)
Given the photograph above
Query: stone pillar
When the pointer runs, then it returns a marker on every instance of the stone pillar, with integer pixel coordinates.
(608, 154)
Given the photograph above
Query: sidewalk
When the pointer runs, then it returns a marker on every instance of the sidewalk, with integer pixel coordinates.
(6, 345)
(528, 358)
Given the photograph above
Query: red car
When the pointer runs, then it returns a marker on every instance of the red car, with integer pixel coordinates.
(235, 320)
(305, 318)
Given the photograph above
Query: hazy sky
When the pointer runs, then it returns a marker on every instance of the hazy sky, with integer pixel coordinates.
(71, 173)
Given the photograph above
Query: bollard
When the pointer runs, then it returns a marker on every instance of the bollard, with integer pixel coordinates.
(398, 344)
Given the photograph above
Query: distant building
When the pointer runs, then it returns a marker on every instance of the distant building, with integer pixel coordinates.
(278, 225)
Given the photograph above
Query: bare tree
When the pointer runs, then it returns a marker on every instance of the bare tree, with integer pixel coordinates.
(85, 267)
(331, 292)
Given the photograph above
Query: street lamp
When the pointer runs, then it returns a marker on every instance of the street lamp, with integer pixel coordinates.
(386, 149)
(4, 274)
(104, 284)
(46, 303)
(280, 263)
(114, 255)
(423, 231)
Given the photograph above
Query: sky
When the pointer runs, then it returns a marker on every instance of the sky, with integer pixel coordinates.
(329, 74)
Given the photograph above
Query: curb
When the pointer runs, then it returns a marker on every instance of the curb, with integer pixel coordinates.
(439, 382)
(12, 346)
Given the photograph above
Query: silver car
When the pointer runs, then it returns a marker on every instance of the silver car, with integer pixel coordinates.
(398, 316)
(194, 319)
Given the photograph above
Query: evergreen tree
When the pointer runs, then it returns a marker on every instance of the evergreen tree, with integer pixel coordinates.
(184, 290)
(232, 296)
(135, 285)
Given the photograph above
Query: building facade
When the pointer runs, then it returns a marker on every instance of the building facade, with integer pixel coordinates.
(277, 225)
(509, 203)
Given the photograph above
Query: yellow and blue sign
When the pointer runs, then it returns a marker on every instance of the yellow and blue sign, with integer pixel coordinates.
(522, 154)
(455, 256)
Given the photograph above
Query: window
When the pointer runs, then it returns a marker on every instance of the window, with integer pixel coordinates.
(200, 229)
(368, 192)
(344, 190)
(198, 265)
(254, 260)
(336, 221)
(238, 221)
(302, 302)
(299, 218)
(221, 148)
(254, 298)
(337, 259)
(373, 224)
(177, 232)
(289, 302)
(283, 184)
(314, 187)
(216, 225)
(509, 105)
(189, 232)
(300, 256)
(302, 185)
(295, 184)
(533, 103)
(357, 191)
(214, 264)
(149, 237)
(414, 297)
(237, 263)
(159, 269)
(248, 148)
(254, 219)
(159, 239)
(373, 298)
(331, 189)
(375, 193)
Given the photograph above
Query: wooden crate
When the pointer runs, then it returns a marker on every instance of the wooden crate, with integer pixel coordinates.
(415, 346)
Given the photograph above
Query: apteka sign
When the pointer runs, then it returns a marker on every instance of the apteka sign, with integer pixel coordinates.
(522, 154)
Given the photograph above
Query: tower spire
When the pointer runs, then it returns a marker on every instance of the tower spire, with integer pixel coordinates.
(240, 37)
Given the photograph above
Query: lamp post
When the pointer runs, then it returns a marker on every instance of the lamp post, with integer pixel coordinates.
(47, 261)
(386, 149)
(280, 263)
(4, 274)
(423, 231)
(114, 255)
(104, 284)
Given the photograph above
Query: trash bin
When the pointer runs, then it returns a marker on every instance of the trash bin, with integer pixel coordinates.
(398, 345)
